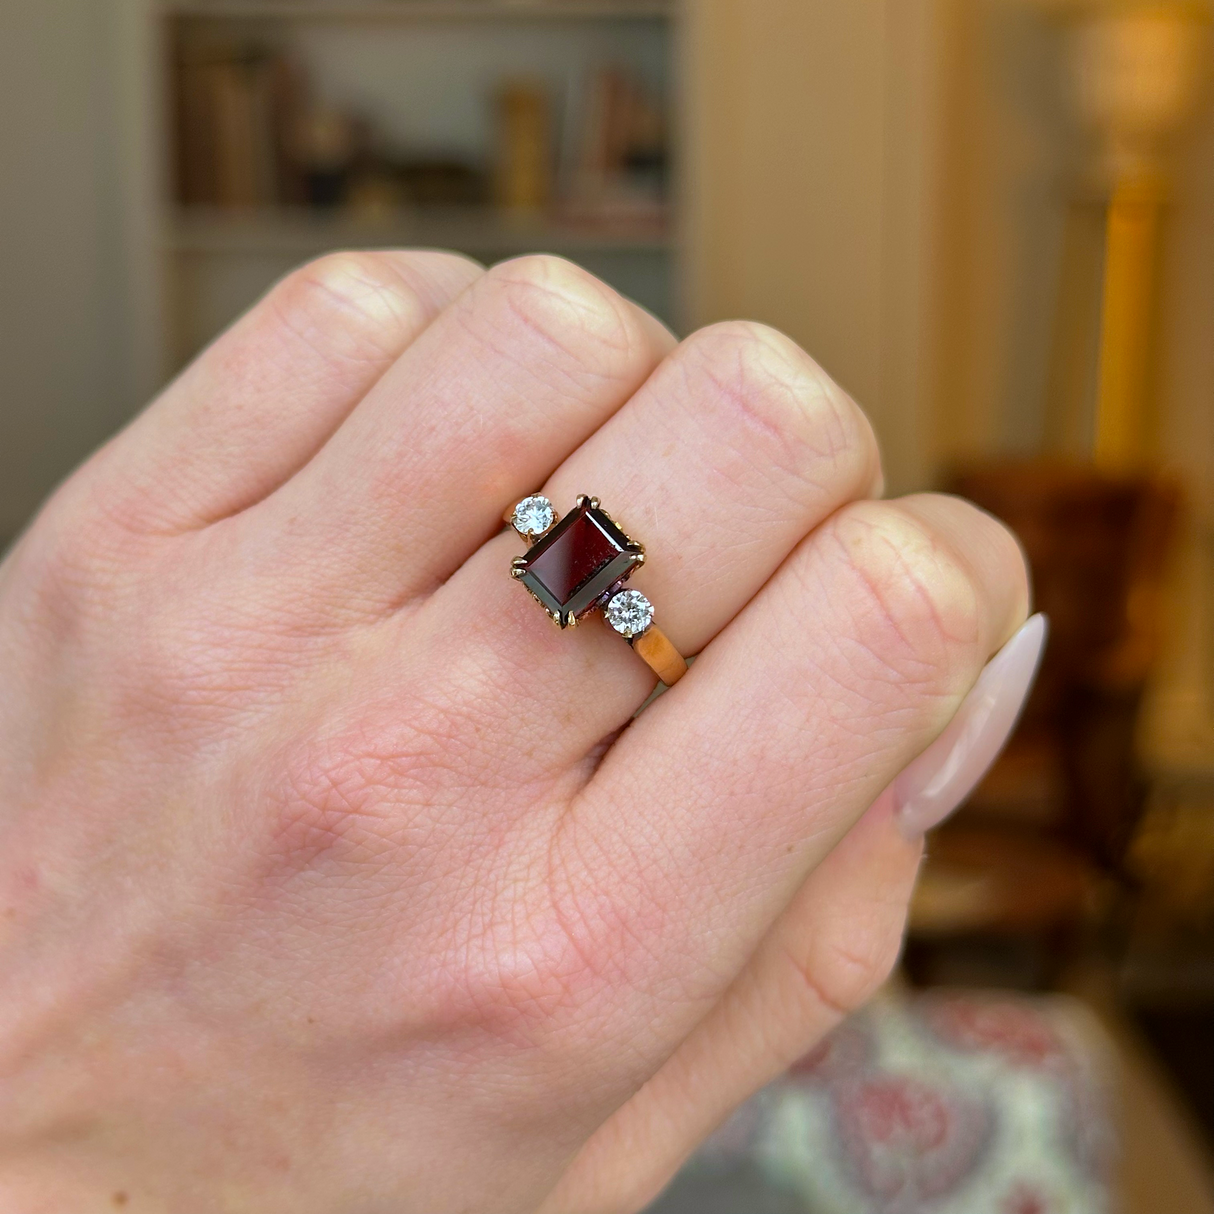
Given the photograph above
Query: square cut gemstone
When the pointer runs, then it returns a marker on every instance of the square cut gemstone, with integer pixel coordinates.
(583, 556)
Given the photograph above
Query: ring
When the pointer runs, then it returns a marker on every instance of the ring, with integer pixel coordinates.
(580, 563)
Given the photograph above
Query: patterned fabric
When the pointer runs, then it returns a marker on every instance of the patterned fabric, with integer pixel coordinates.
(948, 1103)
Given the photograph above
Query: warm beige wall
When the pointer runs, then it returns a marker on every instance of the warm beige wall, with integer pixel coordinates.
(1003, 213)
(809, 167)
(1179, 727)
(58, 260)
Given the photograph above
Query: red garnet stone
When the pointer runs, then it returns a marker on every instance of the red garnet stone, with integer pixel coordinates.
(577, 562)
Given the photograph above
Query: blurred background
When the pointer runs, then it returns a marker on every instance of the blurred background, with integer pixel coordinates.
(991, 220)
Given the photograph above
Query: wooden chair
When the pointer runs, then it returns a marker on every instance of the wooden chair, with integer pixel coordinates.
(1037, 854)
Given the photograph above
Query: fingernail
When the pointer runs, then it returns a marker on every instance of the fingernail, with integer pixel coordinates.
(947, 772)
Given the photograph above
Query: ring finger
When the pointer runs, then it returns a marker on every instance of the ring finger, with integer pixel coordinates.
(729, 455)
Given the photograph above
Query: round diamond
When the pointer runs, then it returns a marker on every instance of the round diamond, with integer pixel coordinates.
(533, 516)
(629, 612)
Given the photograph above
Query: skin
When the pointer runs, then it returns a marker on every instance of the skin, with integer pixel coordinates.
(332, 876)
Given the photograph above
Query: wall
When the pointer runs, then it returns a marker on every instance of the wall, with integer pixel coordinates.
(61, 268)
(1179, 725)
(811, 162)
(1004, 207)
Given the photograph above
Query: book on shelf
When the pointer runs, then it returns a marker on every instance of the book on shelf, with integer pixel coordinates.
(523, 168)
(251, 136)
(615, 152)
(236, 110)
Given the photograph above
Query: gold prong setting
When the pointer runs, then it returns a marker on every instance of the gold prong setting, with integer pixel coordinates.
(580, 564)
(596, 556)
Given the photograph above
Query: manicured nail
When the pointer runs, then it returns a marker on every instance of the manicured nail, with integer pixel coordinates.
(947, 772)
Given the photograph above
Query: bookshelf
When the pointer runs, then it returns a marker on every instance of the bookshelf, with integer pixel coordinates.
(425, 10)
(419, 84)
(300, 232)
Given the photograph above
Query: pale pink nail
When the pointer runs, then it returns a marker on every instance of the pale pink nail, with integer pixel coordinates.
(947, 772)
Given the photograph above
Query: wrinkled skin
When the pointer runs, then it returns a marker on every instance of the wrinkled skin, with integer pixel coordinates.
(333, 877)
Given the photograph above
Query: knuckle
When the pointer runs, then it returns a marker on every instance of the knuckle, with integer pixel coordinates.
(843, 976)
(184, 677)
(921, 609)
(525, 980)
(172, 676)
(1010, 556)
(328, 801)
(561, 956)
(74, 563)
(400, 768)
(438, 275)
(351, 795)
(581, 323)
(350, 306)
(53, 585)
(803, 419)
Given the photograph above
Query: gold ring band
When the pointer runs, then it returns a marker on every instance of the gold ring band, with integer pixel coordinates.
(663, 658)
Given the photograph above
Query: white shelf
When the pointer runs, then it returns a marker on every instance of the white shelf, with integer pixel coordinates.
(476, 230)
(424, 10)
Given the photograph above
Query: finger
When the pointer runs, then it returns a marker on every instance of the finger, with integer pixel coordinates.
(734, 449)
(258, 404)
(790, 724)
(517, 373)
(825, 957)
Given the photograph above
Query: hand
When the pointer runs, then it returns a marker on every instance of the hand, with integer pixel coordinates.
(333, 877)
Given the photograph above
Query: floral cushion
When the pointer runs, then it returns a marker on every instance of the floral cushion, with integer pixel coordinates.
(948, 1102)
